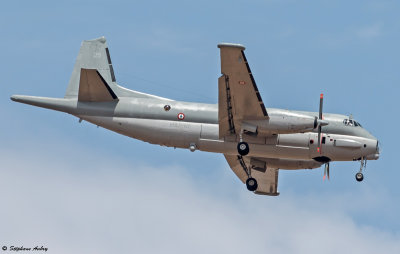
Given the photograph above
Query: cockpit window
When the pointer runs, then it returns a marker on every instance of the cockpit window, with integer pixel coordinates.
(351, 122)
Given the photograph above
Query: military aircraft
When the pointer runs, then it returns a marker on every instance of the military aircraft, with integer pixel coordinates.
(256, 141)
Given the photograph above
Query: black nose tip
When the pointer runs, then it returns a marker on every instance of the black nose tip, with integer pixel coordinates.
(377, 146)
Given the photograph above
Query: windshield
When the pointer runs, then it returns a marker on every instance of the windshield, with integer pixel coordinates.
(351, 122)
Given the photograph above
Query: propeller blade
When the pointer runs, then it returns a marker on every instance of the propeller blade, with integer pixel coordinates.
(321, 103)
(319, 139)
(327, 170)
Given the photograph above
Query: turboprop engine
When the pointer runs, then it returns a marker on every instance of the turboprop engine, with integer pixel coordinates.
(282, 124)
(286, 122)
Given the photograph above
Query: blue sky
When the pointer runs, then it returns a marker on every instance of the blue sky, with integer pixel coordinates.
(75, 187)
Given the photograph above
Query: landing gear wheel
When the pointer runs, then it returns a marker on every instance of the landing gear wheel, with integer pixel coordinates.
(251, 184)
(243, 148)
(359, 176)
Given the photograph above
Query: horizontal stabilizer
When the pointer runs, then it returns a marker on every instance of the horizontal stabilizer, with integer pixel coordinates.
(93, 87)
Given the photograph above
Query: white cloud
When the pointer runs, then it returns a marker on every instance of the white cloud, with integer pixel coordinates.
(369, 32)
(106, 206)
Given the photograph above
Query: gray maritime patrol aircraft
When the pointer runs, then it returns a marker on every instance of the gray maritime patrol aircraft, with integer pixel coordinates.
(256, 141)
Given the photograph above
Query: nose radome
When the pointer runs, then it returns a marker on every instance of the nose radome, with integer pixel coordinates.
(377, 146)
(374, 156)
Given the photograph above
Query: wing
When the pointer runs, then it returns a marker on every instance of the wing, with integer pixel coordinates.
(238, 95)
(267, 178)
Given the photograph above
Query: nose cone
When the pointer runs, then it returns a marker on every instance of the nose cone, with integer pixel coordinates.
(376, 155)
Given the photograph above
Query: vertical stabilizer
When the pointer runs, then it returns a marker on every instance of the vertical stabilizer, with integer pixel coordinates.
(94, 54)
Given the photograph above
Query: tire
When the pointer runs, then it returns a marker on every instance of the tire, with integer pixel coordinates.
(359, 177)
(243, 148)
(251, 184)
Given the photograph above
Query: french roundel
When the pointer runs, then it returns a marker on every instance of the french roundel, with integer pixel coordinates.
(181, 116)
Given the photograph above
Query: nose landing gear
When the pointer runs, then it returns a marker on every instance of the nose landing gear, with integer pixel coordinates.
(359, 175)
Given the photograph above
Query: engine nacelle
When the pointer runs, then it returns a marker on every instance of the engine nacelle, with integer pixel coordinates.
(282, 124)
(261, 164)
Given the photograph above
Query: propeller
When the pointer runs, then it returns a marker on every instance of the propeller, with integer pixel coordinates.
(326, 171)
(320, 121)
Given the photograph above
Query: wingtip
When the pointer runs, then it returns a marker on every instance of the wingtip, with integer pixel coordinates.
(14, 97)
(231, 45)
(101, 39)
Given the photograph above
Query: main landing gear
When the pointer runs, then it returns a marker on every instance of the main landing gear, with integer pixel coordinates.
(359, 175)
(251, 183)
(243, 148)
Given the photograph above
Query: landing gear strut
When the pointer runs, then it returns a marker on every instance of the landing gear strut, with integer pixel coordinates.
(359, 175)
(243, 149)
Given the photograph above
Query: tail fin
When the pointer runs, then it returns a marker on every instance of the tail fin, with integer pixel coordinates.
(94, 55)
(93, 58)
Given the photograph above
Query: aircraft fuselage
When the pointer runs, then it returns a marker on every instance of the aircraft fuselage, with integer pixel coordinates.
(195, 126)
